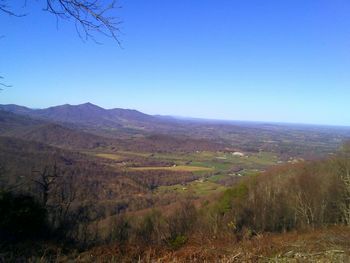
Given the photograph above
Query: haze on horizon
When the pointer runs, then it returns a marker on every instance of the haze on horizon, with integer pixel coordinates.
(276, 61)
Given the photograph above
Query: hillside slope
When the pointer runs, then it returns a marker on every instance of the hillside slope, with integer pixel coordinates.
(27, 128)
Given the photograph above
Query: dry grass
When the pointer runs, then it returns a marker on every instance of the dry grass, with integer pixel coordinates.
(323, 245)
(110, 156)
(326, 245)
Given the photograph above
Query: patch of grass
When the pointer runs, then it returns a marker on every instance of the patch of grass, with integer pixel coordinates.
(115, 157)
(206, 188)
(197, 188)
(217, 165)
(217, 177)
(139, 154)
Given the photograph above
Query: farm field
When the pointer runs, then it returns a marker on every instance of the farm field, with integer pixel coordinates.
(197, 188)
(207, 172)
(183, 168)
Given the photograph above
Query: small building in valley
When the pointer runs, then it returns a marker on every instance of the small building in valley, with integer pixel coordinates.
(240, 154)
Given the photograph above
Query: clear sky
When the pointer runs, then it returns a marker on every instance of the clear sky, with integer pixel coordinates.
(261, 60)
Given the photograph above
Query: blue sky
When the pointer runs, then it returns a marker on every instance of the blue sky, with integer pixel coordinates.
(273, 60)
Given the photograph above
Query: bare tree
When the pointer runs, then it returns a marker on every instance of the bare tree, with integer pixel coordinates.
(58, 192)
(90, 17)
(342, 166)
(344, 175)
(45, 181)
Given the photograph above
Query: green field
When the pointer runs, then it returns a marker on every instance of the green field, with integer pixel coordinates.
(215, 168)
(197, 188)
(181, 168)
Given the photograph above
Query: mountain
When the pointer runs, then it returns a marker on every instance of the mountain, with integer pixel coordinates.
(86, 114)
(88, 126)
(10, 122)
(13, 108)
(57, 134)
(29, 129)
(135, 115)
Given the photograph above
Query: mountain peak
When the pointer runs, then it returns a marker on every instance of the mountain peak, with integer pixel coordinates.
(88, 105)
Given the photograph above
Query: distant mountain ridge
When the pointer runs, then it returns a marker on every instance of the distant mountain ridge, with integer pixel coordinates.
(84, 114)
(87, 126)
(27, 128)
(56, 134)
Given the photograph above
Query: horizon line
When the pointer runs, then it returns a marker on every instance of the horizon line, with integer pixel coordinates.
(192, 118)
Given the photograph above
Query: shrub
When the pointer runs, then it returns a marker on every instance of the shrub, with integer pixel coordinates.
(21, 217)
(178, 242)
(150, 227)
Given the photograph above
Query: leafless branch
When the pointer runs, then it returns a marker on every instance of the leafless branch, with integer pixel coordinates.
(3, 84)
(45, 180)
(90, 17)
(5, 8)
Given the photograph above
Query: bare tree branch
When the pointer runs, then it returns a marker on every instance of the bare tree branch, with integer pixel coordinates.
(91, 17)
(5, 8)
(45, 181)
(3, 84)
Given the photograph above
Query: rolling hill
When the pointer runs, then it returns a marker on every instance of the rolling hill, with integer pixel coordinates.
(63, 135)
(29, 129)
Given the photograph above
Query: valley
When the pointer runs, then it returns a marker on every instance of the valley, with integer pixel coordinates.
(110, 165)
(159, 156)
